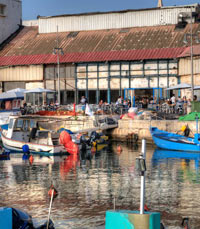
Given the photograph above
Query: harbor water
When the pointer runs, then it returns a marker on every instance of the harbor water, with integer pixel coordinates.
(87, 188)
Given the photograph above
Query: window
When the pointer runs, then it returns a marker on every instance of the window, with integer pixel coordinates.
(50, 72)
(2, 10)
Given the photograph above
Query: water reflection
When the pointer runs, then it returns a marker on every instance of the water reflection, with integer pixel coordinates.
(87, 186)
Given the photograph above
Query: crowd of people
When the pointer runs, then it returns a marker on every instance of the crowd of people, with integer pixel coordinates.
(180, 105)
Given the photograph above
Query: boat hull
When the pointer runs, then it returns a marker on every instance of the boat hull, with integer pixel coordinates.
(44, 150)
(170, 141)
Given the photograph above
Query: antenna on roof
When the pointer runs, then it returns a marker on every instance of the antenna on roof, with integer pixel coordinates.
(160, 4)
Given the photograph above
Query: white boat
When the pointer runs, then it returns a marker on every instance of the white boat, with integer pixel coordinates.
(25, 130)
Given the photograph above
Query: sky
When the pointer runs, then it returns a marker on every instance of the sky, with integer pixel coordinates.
(32, 8)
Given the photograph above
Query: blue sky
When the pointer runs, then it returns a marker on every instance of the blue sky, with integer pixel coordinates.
(32, 8)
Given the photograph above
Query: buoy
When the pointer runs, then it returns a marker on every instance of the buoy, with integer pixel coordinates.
(119, 149)
(55, 193)
(31, 159)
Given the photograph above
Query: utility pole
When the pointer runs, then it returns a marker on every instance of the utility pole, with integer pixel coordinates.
(58, 51)
(189, 38)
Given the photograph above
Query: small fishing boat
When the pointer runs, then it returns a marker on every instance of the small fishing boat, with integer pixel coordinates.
(171, 141)
(25, 131)
(13, 218)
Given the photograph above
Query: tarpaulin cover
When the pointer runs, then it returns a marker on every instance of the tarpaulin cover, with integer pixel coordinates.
(66, 140)
(190, 117)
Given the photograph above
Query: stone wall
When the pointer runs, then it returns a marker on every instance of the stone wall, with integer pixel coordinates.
(141, 127)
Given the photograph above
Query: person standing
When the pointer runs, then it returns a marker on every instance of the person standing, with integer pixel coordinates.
(185, 105)
(173, 99)
(83, 102)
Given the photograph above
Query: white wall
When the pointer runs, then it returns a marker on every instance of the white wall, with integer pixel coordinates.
(9, 22)
(114, 20)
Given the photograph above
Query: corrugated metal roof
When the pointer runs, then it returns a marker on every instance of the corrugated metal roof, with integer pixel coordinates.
(166, 53)
(187, 51)
(29, 47)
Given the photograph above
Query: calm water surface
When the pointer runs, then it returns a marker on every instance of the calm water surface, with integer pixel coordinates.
(87, 189)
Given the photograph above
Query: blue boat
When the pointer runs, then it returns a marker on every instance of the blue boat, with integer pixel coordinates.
(171, 141)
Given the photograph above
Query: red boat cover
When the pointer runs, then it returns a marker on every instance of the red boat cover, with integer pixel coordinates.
(66, 140)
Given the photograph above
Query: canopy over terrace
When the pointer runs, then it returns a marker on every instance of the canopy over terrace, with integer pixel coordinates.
(38, 96)
(179, 86)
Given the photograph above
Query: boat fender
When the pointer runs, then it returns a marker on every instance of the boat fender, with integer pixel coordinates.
(25, 149)
(31, 159)
(25, 157)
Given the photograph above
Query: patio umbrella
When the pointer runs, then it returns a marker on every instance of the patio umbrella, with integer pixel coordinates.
(22, 90)
(11, 95)
(38, 90)
(179, 86)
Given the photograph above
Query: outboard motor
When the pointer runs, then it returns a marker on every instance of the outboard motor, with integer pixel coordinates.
(21, 219)
(84, 142)
(94, 136)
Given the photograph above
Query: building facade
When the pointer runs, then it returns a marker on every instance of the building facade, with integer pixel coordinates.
(10, 17)
(104, 55)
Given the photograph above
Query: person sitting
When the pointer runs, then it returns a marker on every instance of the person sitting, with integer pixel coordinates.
(100, 103)
(119, 101)
(144, 103)
(195, 98)
(51, 105)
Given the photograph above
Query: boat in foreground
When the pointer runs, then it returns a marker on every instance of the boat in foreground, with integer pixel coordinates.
(25, 131)
(13, 218)
(171, 141)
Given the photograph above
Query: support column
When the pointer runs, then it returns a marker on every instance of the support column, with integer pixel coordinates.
(108, 91)
(97, 92)
(87, 94)
(76, 89)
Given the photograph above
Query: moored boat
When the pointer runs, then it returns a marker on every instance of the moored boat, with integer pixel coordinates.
(171, 141)
(25, 131)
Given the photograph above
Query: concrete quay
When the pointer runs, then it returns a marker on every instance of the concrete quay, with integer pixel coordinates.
(141, 128)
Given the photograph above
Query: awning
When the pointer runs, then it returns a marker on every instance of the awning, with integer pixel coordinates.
(179, 86)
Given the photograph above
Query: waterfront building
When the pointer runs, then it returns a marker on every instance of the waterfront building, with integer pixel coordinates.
(104, 55)
(10, 18)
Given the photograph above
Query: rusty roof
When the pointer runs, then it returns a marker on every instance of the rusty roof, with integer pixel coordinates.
(187, 51)
(137, 43)
(145, 54)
